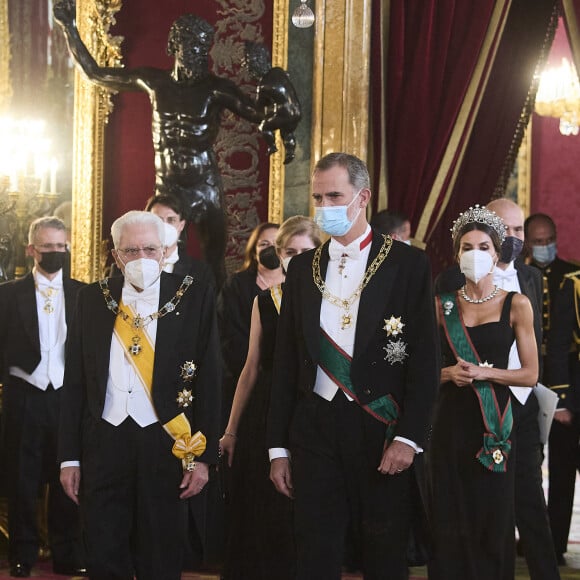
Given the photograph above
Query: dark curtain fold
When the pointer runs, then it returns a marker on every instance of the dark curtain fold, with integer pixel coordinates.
(433, 49)
(502, 118)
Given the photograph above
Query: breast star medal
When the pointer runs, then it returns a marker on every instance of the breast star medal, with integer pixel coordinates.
(486, 365)
(188, 370)
(393, 326)
(395, 352)
(184, 398)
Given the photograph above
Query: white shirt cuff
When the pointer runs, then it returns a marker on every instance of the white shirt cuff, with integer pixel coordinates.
(70, 464)
(409, 442)
(277, 452)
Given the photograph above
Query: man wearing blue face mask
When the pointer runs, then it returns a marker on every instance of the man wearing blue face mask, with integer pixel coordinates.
(355, 375)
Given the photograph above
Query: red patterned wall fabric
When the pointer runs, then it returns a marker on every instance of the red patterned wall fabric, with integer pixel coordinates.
(242, 157)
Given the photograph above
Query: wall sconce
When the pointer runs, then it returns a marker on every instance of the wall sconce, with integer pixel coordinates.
(303, 16)
(27, 188)
(559, 96)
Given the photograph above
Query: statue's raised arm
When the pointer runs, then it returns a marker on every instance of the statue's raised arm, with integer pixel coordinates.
(108, 77)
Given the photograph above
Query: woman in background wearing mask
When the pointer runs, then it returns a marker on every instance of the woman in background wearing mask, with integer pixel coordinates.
(260, 544)
(471, 455)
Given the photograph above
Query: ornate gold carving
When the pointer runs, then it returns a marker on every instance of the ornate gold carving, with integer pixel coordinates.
(281, 11)
(341, 67)
(92, 107)
(5, 84)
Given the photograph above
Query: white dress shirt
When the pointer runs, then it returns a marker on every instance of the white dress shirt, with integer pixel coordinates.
(508, 280)
(52, 333)
(170, 261)
(126, 395)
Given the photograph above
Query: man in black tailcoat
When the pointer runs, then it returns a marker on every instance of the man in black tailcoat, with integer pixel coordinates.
(36, 313)
(355, 376)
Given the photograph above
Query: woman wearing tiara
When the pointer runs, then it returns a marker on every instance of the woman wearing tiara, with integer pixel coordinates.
(472, 453)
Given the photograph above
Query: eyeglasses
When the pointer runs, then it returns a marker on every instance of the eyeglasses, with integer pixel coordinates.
(50, 247)
(149, 251)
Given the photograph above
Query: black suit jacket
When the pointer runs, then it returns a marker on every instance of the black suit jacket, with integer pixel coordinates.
(187, 334)
(401, 287)
(530, 280)
(19, 333)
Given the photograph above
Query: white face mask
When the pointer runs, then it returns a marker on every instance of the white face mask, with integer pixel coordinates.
(286, 262)
(476, 264)
(171, 235)
(142, 272)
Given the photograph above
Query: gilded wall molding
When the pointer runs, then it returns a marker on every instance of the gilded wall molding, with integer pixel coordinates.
(279, 58)
(341, 77)
(5, 84)
(92, 107)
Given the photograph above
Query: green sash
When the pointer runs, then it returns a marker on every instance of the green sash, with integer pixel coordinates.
(336, 364)
(496, 443)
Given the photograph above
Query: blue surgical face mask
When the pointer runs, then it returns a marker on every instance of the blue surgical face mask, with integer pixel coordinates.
(333, 219)
(544, 254)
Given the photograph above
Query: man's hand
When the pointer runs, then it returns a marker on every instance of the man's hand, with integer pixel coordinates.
(397, 457)
(70, 479)
(565, 416)
(194, 481)
(281, 476)
(64, 11)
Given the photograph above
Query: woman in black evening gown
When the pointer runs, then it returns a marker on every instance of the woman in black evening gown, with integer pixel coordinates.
(471, 456)
(260, 544)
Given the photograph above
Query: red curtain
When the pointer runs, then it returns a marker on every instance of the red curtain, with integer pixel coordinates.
(452, 79)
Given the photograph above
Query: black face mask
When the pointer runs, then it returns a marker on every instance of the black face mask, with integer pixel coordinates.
(510, 249)
(268, 258)
(52, 262)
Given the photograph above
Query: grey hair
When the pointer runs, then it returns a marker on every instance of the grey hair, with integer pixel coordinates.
(136, 217)
(358, 174)
(44, 222)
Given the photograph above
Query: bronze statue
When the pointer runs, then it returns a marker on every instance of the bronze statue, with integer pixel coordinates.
(277, 99)
(187, 102)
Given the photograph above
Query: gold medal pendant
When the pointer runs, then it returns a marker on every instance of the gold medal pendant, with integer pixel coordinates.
(135, 348)
(48, 307)
(346, 320)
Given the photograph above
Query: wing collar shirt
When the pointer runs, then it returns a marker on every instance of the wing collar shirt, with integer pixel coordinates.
(52, 333)
(170, 261)
(508, 280)
(126, 394)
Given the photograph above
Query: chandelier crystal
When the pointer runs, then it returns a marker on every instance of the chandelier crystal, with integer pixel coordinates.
(303, 16)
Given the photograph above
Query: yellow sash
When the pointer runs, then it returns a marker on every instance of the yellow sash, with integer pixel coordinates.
(179, 427)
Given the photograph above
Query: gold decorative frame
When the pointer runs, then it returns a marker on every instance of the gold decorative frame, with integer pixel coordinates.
(5, 84)
(92, 107)
(340, 115)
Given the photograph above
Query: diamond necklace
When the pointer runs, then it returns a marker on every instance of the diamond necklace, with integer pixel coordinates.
(479, 300)
(346, 303)
(138, 322)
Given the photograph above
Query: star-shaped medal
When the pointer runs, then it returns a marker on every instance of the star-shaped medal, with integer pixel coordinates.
(393, 326)
(188, 369)
(184, 398)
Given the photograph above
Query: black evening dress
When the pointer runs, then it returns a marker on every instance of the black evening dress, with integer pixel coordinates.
(261, 543)
(471, 508)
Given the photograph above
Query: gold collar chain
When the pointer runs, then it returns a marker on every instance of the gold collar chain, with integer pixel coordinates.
(138, 322)
(346, 303)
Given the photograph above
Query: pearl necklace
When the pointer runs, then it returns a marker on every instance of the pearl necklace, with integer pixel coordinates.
(479, 300)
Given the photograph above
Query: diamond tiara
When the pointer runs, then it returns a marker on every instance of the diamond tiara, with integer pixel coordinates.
(480, 215)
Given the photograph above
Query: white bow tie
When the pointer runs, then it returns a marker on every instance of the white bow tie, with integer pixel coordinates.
(500, 276)
(55, 285)
(149, 295)
(336, 251)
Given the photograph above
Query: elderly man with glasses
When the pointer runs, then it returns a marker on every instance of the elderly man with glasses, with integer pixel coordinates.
(35, 315)
(140, 417)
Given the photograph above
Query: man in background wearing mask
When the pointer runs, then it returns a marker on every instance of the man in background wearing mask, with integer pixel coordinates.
(36, 313)
(140, 417)
(511, 274)
(355, 375)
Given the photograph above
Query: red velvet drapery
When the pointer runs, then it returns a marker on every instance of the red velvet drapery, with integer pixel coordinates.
(453, 79)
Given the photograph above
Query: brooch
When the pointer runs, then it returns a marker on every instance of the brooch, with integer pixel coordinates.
(188, 370)
(447, 307)
(497, 456)
(184, 398)
(396, 351)
(393, 326)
